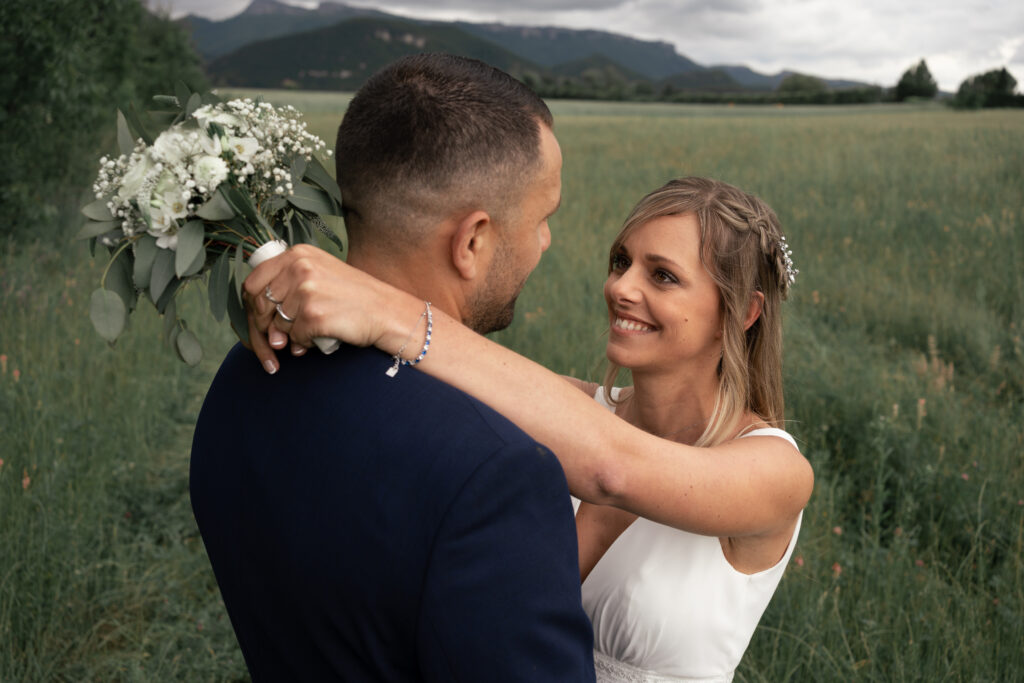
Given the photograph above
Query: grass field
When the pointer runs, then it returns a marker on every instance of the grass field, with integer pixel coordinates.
(904, 381)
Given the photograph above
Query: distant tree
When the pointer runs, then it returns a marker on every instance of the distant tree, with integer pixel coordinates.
(916, 81)
(799, 84)
(65, 66)
(991, 89)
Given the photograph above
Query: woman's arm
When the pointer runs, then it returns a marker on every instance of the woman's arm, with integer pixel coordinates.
(749, 486)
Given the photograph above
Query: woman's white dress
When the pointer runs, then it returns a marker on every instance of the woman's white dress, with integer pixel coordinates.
(666, 605)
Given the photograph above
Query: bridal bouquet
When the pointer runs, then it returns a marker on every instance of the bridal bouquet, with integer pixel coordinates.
(195, 202)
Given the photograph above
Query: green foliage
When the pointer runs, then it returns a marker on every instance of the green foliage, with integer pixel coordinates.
(994, 88)
(916, 81)
(65, 66)
(794, 84)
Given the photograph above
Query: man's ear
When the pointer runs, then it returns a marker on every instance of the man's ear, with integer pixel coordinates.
(754, 309)
(472, 244)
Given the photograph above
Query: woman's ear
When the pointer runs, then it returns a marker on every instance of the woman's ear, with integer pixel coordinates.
(472, 244)
(754, 309)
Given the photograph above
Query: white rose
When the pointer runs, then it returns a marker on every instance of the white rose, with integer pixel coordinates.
(171, 147)
(209, 172)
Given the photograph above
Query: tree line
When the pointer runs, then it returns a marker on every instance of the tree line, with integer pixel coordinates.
(996, 88)
(65, 67)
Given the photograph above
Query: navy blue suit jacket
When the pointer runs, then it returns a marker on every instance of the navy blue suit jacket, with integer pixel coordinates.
(364, 528)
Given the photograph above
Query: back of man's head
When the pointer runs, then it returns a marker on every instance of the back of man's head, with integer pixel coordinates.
(431, 135)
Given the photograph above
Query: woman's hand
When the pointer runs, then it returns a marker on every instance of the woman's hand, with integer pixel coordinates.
(305, 293)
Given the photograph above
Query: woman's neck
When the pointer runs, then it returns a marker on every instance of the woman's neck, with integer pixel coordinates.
(673, 405)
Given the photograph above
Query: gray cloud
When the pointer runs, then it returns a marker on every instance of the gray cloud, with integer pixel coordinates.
(870, 40)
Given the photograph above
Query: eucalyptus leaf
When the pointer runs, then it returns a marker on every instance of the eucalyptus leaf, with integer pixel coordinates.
(166, 101)
(98, 211)
(197, 264)
(190, 246)
(194, 102)
(167, 298)
(94, 229)
(240, 202)
(162, 274)
(182, 93)
(108, 314)
(145, 255)
(298, 168)
(239, 270)
(136, 123)
(316, 173)
(312, 199)
(125, 139)
(219, 286)
(170, 319)
(172, 337)
(119, 279)
(189, 348)
(236, 314)
(217, 208)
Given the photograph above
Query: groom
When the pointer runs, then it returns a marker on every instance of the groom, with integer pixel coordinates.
(364, 527)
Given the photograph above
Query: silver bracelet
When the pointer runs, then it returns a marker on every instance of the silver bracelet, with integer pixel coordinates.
(397, 358)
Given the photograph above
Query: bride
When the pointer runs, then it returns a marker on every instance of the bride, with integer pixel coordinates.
(692, 496)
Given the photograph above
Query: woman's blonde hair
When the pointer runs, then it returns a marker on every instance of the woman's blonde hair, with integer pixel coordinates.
(744, 251)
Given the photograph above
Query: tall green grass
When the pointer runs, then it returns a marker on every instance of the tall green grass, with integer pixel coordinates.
(904, 377)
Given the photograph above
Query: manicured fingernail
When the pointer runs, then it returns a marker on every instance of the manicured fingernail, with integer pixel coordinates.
(271, 366)
(278, 342)
(298, 350)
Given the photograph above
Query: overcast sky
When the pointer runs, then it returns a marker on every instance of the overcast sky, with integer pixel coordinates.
(868, 40)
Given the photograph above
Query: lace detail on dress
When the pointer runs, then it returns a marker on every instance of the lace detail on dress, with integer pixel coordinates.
(611, 670)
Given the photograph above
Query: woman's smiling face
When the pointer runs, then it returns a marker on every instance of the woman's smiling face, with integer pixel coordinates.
(663, 305)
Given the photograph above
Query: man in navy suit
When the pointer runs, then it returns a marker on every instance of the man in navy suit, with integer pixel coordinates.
(364, 527)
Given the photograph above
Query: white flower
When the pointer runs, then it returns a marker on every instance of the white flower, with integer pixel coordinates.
(209, 172)
(164, 228)
(210, 114)
(135, 177)
(172, 147)
(243, 148)
(175, 204)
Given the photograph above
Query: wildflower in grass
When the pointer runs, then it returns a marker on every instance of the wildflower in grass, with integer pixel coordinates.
(799, 560)
(898, 531)
(16, 375)
(964, 476)
(3, 363)
(25, 479)
(919, 562)
(1, 462)
(837, 530)
(921, 411)
(837, 569)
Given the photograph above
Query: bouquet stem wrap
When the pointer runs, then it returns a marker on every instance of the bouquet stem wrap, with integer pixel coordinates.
(268, 251)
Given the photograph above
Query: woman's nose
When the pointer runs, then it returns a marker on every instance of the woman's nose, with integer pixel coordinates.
(624, 286)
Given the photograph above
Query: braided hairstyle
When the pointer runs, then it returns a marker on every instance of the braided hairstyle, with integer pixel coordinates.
(744, 251)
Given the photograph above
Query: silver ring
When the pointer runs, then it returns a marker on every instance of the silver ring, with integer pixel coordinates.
(267, 293)
(284, 316)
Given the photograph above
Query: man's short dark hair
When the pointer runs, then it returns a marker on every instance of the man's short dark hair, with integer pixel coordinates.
(435, 133)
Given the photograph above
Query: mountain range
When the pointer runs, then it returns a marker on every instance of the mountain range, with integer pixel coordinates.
(336, 47)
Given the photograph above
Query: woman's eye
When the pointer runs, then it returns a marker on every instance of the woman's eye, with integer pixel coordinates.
(664, 277)
(620, 262)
